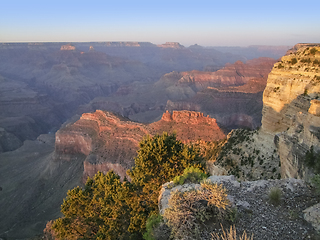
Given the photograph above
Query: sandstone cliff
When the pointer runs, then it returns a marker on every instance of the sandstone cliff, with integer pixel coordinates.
(106, 141)
(290, 111)
(290, 121)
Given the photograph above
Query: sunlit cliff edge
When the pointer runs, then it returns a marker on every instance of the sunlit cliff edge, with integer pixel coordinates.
(290, 122)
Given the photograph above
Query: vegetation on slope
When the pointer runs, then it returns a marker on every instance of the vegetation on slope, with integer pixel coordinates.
(110, 209)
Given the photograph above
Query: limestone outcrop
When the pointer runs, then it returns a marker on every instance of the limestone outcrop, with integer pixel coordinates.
(105, 141)
(291, 108)
(290, 119)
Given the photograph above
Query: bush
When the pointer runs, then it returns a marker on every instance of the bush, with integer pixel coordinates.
(231, 235)
(99, 211)
(188, 211)
(110, 209)
(312, 160)
(313, 51)
(294, 61)
(152, 222)
(275, 194)
(160, 158)
(316, 182)
(191, 174)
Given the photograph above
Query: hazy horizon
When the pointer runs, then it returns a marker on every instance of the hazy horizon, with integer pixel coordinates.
(207, 23)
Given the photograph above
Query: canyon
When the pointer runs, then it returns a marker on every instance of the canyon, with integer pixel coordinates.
(42, 85)
(110, 142)
(50, 142)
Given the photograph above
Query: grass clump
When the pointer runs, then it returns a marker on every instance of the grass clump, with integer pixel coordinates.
(190, 174)
(275, 194)
(188, 211)
(231, 235)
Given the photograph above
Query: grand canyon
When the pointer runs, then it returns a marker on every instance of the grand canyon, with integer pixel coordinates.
(69, 110)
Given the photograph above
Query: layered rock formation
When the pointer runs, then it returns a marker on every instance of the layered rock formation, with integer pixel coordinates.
(290, 122)
(171, 45)
(106, 141)
(232, 95)
(290, 109)
(235, 74)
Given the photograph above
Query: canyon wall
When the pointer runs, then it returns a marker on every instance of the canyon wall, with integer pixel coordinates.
(290, 122)
(231, 95)
(105, 141)
(291, 109)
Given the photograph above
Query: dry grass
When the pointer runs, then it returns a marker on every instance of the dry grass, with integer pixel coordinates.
(231, 235)
(188, 211)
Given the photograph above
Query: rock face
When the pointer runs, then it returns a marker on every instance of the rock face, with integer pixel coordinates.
(189, 126)
(256, 214)
(171, 45)
(291, 109)
(235, 74)
(290, 118)
(106, 141)
(68, 47)
(232, 95)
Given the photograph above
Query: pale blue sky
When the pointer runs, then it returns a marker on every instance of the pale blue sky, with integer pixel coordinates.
(207, 23)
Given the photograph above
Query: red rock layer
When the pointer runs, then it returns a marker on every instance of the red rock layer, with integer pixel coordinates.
(107, 141)
(235, 74)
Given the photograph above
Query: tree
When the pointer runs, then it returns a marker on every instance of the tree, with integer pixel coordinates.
(110, 209)
(159, 160)
(99, 211)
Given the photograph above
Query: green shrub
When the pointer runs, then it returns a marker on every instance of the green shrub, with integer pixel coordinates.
(160, 158)
(152, 222)
(312, 160)
(316, 182)
(293, 61)
(190, 174)
(232, 214)
(313, 51)
(275, 194)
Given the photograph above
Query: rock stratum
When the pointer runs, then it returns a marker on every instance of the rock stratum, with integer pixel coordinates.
(290, 122)
(232, 95)
(109, 142)
(42, 85)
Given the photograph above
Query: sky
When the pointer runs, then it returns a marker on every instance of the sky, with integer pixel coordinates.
(207, 23)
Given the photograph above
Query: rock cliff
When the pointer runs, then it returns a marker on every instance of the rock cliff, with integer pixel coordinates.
(105, 141)
(290, 119)
(290, 110)
(171, 45)
(232, 95)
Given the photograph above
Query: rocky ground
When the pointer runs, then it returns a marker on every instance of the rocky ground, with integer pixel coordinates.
(256, 213)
